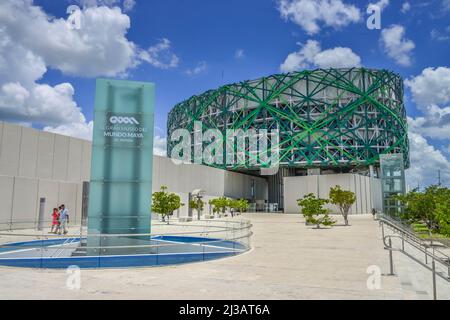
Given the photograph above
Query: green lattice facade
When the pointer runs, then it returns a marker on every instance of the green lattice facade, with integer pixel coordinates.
(326, 118)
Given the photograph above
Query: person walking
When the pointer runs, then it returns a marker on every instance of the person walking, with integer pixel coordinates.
(55, 221)
(63, 219)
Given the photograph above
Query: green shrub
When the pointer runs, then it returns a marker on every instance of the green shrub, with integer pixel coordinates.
(314, 212)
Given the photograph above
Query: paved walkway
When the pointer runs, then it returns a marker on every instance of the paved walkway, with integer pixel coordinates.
(288, 261)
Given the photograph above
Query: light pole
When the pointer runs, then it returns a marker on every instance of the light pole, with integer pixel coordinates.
(197, 196)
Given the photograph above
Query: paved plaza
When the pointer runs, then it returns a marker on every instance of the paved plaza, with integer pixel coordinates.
(288, 260)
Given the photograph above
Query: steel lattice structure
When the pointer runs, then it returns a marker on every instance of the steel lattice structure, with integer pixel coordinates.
(326, 118)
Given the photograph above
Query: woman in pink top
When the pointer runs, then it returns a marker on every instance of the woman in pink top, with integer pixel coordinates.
(55, 221)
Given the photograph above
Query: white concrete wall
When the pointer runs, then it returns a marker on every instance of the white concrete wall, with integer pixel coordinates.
(367, 190)
(36, 164)
(30, 153)
(185, 178)
(240, 186)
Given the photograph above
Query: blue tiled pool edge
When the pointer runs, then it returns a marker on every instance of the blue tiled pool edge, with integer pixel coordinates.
(125, 261)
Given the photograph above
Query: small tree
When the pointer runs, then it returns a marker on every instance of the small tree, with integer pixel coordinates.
(165, 203)
(215, 209)
(443, 213)
(314, 212)
(343, 199)
(198, 205)
(240, 205)
(219, 204)
(428, 207)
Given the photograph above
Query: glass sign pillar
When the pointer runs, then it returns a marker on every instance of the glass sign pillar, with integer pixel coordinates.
(122, 161)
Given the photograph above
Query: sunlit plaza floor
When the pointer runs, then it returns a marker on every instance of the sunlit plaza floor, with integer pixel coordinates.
(288, 260)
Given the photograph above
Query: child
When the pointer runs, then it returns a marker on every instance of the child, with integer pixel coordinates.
(55, 221)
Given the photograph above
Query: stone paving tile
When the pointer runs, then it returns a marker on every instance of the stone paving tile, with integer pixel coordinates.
(288, 261)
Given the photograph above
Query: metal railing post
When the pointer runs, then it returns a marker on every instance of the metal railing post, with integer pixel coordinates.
(40, 224)
(415, 243)
(434, 280)
(448, 270)
(391, 258)
(403, 241)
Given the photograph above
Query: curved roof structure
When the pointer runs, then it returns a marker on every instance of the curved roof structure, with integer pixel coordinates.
(325, 118)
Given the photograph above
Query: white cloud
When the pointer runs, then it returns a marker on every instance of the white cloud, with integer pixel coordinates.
(309, 14)
(435, 123)
(200, 68)
(160, 146)
(160, 55)
(381, 4)
(40, 103)
(77, 130)
(32, 41)
(311, 55)
(425, 172)
(239, 54)
(128, 5)
(97, 3)
(337, 58)
(13, 97)
(431, 93)
(406, 6)
(432, 86)
(441, 36)
(302, 58)
(396, 46)
(446, 5)
(22, 99)
(17, 63)
(98, 48)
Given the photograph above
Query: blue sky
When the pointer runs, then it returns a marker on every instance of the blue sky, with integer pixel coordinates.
(199, 41)
(212, 31)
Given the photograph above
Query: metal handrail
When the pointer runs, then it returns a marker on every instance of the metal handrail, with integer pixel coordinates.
(243, 225)
(403, 229)
(388, 246)
(406, 235)
(202, 242)
(64, 246)
(154, 222)
(246, 225)
(136, 234)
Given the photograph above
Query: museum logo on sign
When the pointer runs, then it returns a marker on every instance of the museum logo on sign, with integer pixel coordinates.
(124, 128)
(123, 120)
